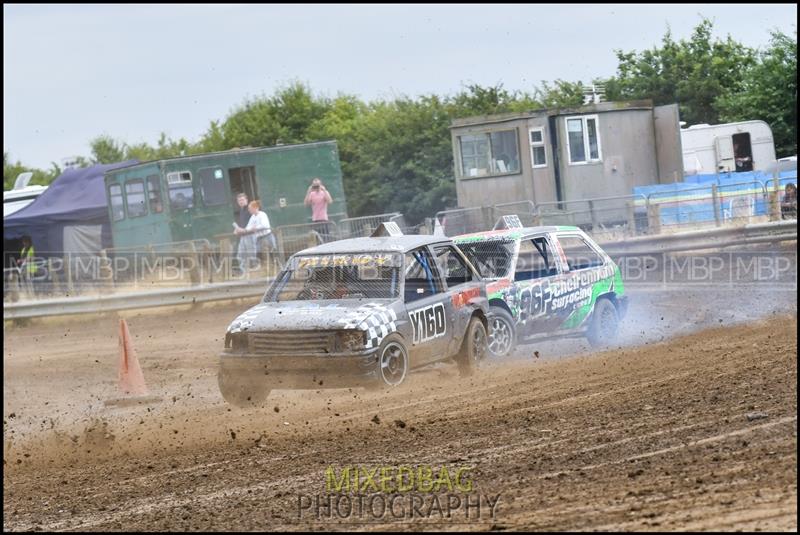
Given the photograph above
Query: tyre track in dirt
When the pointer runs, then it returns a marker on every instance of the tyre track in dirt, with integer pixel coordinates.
(654, 437)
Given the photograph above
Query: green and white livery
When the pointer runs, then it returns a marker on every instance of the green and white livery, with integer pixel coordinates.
(546, 282)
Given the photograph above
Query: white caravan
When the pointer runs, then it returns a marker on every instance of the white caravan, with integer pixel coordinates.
(727, 148)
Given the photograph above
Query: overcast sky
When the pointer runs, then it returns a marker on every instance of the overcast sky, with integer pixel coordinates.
(71, 73)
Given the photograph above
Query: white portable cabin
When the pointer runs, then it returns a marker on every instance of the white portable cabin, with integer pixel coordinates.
(727, 148)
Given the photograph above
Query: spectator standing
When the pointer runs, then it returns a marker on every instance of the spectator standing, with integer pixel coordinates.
(251, 237)
(244, 212)
(789, 202)
(243, 217)
(318, 198)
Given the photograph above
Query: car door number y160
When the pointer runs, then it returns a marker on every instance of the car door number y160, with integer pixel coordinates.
(428, 322)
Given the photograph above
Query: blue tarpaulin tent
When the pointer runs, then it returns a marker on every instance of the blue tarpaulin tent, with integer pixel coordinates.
(75, 200)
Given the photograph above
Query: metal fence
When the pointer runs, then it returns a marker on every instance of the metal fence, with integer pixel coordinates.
(356, 227)
(783, 206)
(465, 220)
(709, 206)
(646, 246)
(169, 262)
(524, 209)
(615, 216)
(210, 261)
(294, 238)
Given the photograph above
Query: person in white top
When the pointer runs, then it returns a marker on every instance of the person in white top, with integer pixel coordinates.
(257, 228)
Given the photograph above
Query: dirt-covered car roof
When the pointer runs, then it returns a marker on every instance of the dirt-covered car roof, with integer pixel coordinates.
(512, 233)
(400, 244)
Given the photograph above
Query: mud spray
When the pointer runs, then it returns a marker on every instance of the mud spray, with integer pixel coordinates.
(57, 375)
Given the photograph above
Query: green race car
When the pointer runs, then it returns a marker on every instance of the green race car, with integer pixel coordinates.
(546, 282)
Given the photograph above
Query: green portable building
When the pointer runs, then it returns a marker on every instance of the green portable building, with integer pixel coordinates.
(194, 197)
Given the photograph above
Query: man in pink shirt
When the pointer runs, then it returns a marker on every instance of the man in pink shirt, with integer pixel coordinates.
(318, 198)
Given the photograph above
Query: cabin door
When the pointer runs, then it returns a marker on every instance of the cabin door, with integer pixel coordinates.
(243, 180)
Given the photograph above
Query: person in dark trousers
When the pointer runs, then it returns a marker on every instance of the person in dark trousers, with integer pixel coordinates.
(789, 202)
(244, 211)
(242, 219)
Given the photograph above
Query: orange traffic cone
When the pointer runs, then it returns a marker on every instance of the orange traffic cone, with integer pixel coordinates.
(131, 380)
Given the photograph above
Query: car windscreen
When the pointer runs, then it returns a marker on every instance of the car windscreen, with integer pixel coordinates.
(338, 276)
(492, 258)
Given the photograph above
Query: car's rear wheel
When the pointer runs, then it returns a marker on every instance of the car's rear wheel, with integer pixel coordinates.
(502, 335)
(474, 349)
(242, 390)
(604, 324)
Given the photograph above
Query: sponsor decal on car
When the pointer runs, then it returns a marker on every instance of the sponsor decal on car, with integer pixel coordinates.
(341, 260)
(556, 296)
(462, 298)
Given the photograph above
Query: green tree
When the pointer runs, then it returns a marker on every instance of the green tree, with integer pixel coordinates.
(561, 94)
(769, 92)
(106, 149)
(694, 73)
(286, 117)
(213, 140)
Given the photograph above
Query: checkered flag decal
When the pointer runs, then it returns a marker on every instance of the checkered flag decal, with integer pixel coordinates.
(374, 318)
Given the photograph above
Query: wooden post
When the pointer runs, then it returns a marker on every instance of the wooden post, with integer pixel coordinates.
(105, 271)
(68, 263)
(592, 215)
(654, 218)
(55, 277)
(774, 204)
(630, 209)
(716, 204)
(194, 271)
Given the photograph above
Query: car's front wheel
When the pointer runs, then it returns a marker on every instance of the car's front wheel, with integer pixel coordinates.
(474, 348)
(392, 364)
(242, 390)
(502, 335)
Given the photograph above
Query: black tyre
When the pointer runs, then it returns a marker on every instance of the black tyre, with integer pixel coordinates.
(393, 363)
(474, 349)
(502, 334)
(604, 324)
(242, 390)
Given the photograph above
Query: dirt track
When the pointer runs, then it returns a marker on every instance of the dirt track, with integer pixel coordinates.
(652, 437)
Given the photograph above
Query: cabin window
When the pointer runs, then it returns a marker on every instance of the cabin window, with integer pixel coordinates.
(115, 199)
(583, 141)
(134, 197)
(154, 194)
(535, 260)
(212, 186)
(181, 193)
(579, 254)
(538, 151)
(421, 279)
(452, 265)
(487, 154)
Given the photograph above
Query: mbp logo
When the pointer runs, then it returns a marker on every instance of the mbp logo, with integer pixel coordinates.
(428, 322)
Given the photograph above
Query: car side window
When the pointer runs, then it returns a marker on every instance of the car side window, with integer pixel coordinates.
(580, 255)
(421, 279)
(535, 260)
(452, 266)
